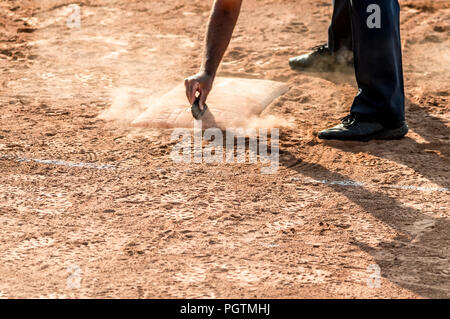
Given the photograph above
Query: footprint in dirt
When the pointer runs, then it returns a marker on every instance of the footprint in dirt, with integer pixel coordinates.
(245, 276)
(420, 227)
(22, 250)
(195, 275)
(295, 27)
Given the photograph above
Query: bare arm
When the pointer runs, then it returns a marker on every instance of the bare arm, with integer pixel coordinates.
(220, 29)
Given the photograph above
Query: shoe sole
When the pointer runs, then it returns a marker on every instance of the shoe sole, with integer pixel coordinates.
(318, 67)
(394, 134)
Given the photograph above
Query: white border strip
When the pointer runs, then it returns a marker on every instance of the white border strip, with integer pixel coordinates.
(360, 184)
(348, 183)
(60, 163)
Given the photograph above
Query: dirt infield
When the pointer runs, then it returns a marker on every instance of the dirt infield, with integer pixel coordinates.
(93, 208)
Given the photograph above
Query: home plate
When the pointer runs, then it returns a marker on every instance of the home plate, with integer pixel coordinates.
(233, 102)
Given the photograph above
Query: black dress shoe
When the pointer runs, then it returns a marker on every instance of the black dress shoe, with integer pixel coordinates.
(359, 127)
(322, 59)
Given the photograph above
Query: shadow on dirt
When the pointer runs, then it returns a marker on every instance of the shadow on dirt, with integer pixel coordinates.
(418, 259)
(415, 260)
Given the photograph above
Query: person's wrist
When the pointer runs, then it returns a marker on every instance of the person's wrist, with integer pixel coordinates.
(208, 73)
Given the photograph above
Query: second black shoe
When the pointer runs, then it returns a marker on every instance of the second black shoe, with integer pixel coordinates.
(359, 127)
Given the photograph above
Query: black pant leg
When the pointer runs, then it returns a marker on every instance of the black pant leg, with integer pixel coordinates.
(340, 30)
(378, 61)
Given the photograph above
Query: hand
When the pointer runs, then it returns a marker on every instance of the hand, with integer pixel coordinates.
(202, 83)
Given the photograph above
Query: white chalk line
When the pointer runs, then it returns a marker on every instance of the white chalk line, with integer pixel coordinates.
(348, 183)
(60, 163)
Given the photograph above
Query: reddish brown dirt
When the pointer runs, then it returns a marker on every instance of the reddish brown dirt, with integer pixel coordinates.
(146, 227)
